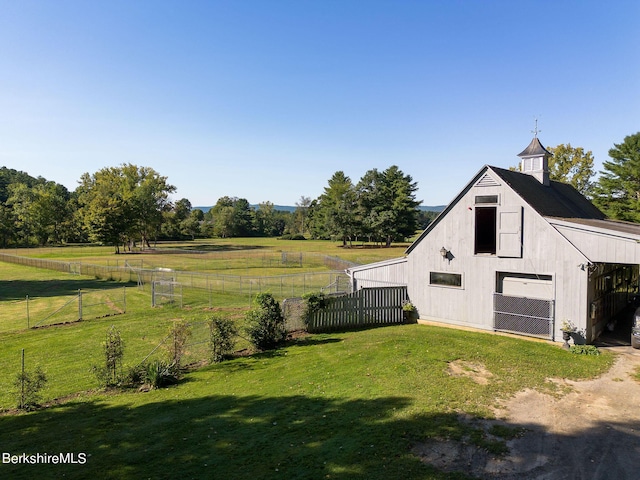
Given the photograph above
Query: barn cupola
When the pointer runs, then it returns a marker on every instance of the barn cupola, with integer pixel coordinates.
(535, 161)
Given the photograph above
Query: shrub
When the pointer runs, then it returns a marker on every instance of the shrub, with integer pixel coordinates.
(29, 385)
(584, 349)
(222, 341)
(265, 323)
(135, 375)
(314, 302)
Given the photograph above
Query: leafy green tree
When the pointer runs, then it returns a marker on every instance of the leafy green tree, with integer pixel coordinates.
(573, 166)
(265, 220)
(617, 192)
(10, 175)
(150, 198)
(106, 207)
(191, 226)
(300, 217)
(123, 203)
(7, 226)
(21, 200)
(231, 217)
(174, 217)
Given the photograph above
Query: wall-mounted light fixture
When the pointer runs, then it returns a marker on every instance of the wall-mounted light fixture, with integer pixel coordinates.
(444, 252)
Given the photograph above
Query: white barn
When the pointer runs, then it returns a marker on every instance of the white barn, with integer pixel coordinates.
(518, 252)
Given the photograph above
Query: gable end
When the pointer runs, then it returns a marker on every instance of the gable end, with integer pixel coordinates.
(487, 181)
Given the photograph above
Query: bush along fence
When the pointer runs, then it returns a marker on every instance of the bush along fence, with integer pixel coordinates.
(368, 307)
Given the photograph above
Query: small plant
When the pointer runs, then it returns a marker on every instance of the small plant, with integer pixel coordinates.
(29, 385)
(135, 375)
(222, 341)
(408, 307)
(178, 335)
(160, 373)
(110, 374)
(584, 350)
(567, 326)
(265, 323)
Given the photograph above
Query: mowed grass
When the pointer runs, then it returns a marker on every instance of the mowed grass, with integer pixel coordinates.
(238, 256)
(67, 352)
(340, 406)
(348, 405)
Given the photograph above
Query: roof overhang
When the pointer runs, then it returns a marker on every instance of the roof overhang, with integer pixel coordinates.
(601, 241)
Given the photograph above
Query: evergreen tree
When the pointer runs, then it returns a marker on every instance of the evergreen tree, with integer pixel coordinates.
(617, 192)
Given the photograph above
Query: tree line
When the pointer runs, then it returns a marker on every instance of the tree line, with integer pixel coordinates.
(125, 205)
(128, 205)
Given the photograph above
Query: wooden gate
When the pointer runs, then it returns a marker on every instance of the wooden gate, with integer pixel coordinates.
(365, 308)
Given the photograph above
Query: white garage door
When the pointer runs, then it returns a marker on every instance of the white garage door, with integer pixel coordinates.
(528, 286)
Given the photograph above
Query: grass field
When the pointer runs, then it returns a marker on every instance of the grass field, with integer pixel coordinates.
(343, 406)
(238, 256)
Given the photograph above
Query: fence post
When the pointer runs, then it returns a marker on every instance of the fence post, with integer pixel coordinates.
(22, 382)
(79, 304)
(124, 299)
(27, 311)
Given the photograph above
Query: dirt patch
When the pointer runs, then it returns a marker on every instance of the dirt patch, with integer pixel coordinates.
(475, 371)
(591, 432)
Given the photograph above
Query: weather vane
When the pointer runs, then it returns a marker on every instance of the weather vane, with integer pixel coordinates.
(535, 131)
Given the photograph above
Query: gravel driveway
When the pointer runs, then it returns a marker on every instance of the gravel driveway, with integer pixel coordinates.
(592, 432)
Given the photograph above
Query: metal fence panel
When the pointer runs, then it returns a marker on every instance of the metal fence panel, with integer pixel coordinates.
(528, 316)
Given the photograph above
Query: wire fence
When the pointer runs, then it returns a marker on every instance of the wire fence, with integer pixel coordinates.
(198, 288)
(33, 312)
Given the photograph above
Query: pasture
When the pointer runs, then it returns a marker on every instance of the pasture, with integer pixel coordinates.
(345, 405)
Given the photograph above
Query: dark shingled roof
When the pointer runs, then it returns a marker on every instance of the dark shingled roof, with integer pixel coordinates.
(534, 149)
(557, 200)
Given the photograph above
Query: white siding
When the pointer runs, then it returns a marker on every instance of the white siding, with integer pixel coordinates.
(601, 246)
(543, 252)
(389, 273)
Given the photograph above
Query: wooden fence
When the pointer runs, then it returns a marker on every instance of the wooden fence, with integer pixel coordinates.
(367, 307)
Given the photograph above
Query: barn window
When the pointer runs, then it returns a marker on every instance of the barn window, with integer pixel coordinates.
(486, 199)
(485, 234)
(445, 279)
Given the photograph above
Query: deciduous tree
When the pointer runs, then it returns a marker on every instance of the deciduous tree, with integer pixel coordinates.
(573, 166)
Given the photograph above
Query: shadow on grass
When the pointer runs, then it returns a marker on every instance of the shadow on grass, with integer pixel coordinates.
(19, 289)
(208, 248)
(311, 341)
(225, 436)
(249, 437)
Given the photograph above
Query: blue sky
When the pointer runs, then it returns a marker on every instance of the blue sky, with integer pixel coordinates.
(265, 100)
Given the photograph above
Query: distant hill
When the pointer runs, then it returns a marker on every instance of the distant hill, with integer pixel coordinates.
(287, 208)
(434, 208)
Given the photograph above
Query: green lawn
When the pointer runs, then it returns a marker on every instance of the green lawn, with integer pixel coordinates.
(339, 406)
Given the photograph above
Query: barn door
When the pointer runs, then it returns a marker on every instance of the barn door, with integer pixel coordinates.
(509, 232)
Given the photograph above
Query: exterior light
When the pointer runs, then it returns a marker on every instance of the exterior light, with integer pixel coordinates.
(444, 252)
